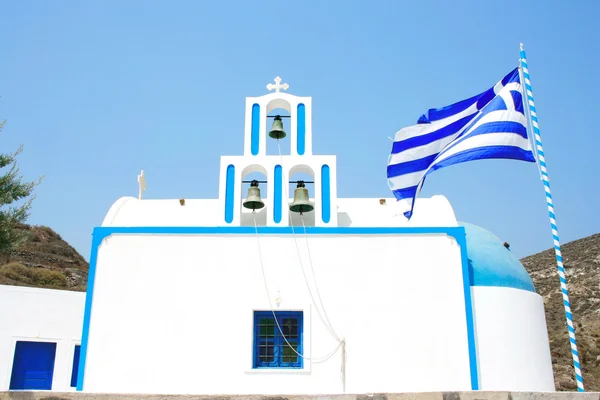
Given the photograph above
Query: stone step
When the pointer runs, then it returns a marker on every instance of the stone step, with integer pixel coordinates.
(479, 395)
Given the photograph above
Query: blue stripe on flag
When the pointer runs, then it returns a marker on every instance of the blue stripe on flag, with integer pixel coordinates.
(490, 152)
(436, 114)
(406, 193)
(428, 138)
(499, 127)
(410, 166)
(491, 127)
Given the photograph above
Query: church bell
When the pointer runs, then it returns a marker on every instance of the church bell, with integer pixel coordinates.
(253, 201)
(301, 203)
(277, 131)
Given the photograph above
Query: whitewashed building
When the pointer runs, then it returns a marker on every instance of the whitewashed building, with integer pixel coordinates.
(207, 296)
(40, 338)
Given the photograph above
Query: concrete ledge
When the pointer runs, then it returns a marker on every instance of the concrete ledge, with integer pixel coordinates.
(46, 395)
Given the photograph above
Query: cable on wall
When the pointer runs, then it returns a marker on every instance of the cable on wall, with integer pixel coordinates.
(324, 318)
(316, 360)
(325, 321)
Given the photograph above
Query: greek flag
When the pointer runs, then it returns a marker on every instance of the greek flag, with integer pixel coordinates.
(491, 124)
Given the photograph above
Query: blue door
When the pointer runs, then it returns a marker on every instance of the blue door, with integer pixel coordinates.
(75, 370)
(33, 366)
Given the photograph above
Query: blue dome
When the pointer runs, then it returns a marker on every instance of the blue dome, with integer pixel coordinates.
(492, 264)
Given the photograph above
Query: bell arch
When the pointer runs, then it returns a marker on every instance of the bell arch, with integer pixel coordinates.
(302, 174)
(254, 190)
(279, 122)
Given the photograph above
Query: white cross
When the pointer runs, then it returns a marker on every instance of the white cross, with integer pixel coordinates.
(141, 184)
(277, 86)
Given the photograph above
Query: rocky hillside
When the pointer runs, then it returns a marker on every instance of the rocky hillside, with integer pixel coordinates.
(582, 263)
(45, 260)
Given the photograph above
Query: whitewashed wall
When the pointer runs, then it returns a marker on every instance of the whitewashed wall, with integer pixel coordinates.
(43, 315)
(512, 340)
(173, 314)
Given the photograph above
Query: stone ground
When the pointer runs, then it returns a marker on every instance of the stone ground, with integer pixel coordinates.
(376, 396)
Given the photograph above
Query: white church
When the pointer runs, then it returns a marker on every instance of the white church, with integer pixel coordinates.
(279, 286)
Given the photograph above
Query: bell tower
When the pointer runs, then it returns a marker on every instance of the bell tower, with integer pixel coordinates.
(312, 202)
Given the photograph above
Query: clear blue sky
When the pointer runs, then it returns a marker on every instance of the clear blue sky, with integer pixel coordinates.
(97, 91)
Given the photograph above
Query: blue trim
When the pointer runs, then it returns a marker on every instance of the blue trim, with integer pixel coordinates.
(301, 134)
(277, 200)
(461, 239)
(255, 129)
(458, 233)
(325, 194)
(97, 238)
(272, 230)
(229, 193)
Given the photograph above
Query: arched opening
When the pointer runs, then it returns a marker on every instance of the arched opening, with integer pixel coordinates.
(254, 204)
(278, 117)
(305, 175)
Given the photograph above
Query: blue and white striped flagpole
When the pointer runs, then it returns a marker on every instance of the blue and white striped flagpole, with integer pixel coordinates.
(546, 180)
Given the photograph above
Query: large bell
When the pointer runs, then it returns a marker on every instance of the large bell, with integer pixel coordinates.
(253, 201)
(277, 131)
(301, 203)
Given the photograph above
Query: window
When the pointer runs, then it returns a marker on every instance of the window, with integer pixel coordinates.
(75, 369)
(271, 350)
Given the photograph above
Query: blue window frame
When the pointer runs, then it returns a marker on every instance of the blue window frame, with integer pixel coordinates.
(270, 347)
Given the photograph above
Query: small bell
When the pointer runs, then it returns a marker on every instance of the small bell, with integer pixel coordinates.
(253, 201)
(301, 203)
(277, 131)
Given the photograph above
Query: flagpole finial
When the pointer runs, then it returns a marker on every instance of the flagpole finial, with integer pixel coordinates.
(520, 46)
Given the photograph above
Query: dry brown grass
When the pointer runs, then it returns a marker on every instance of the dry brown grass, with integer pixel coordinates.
(18, 274)
(582, 263)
